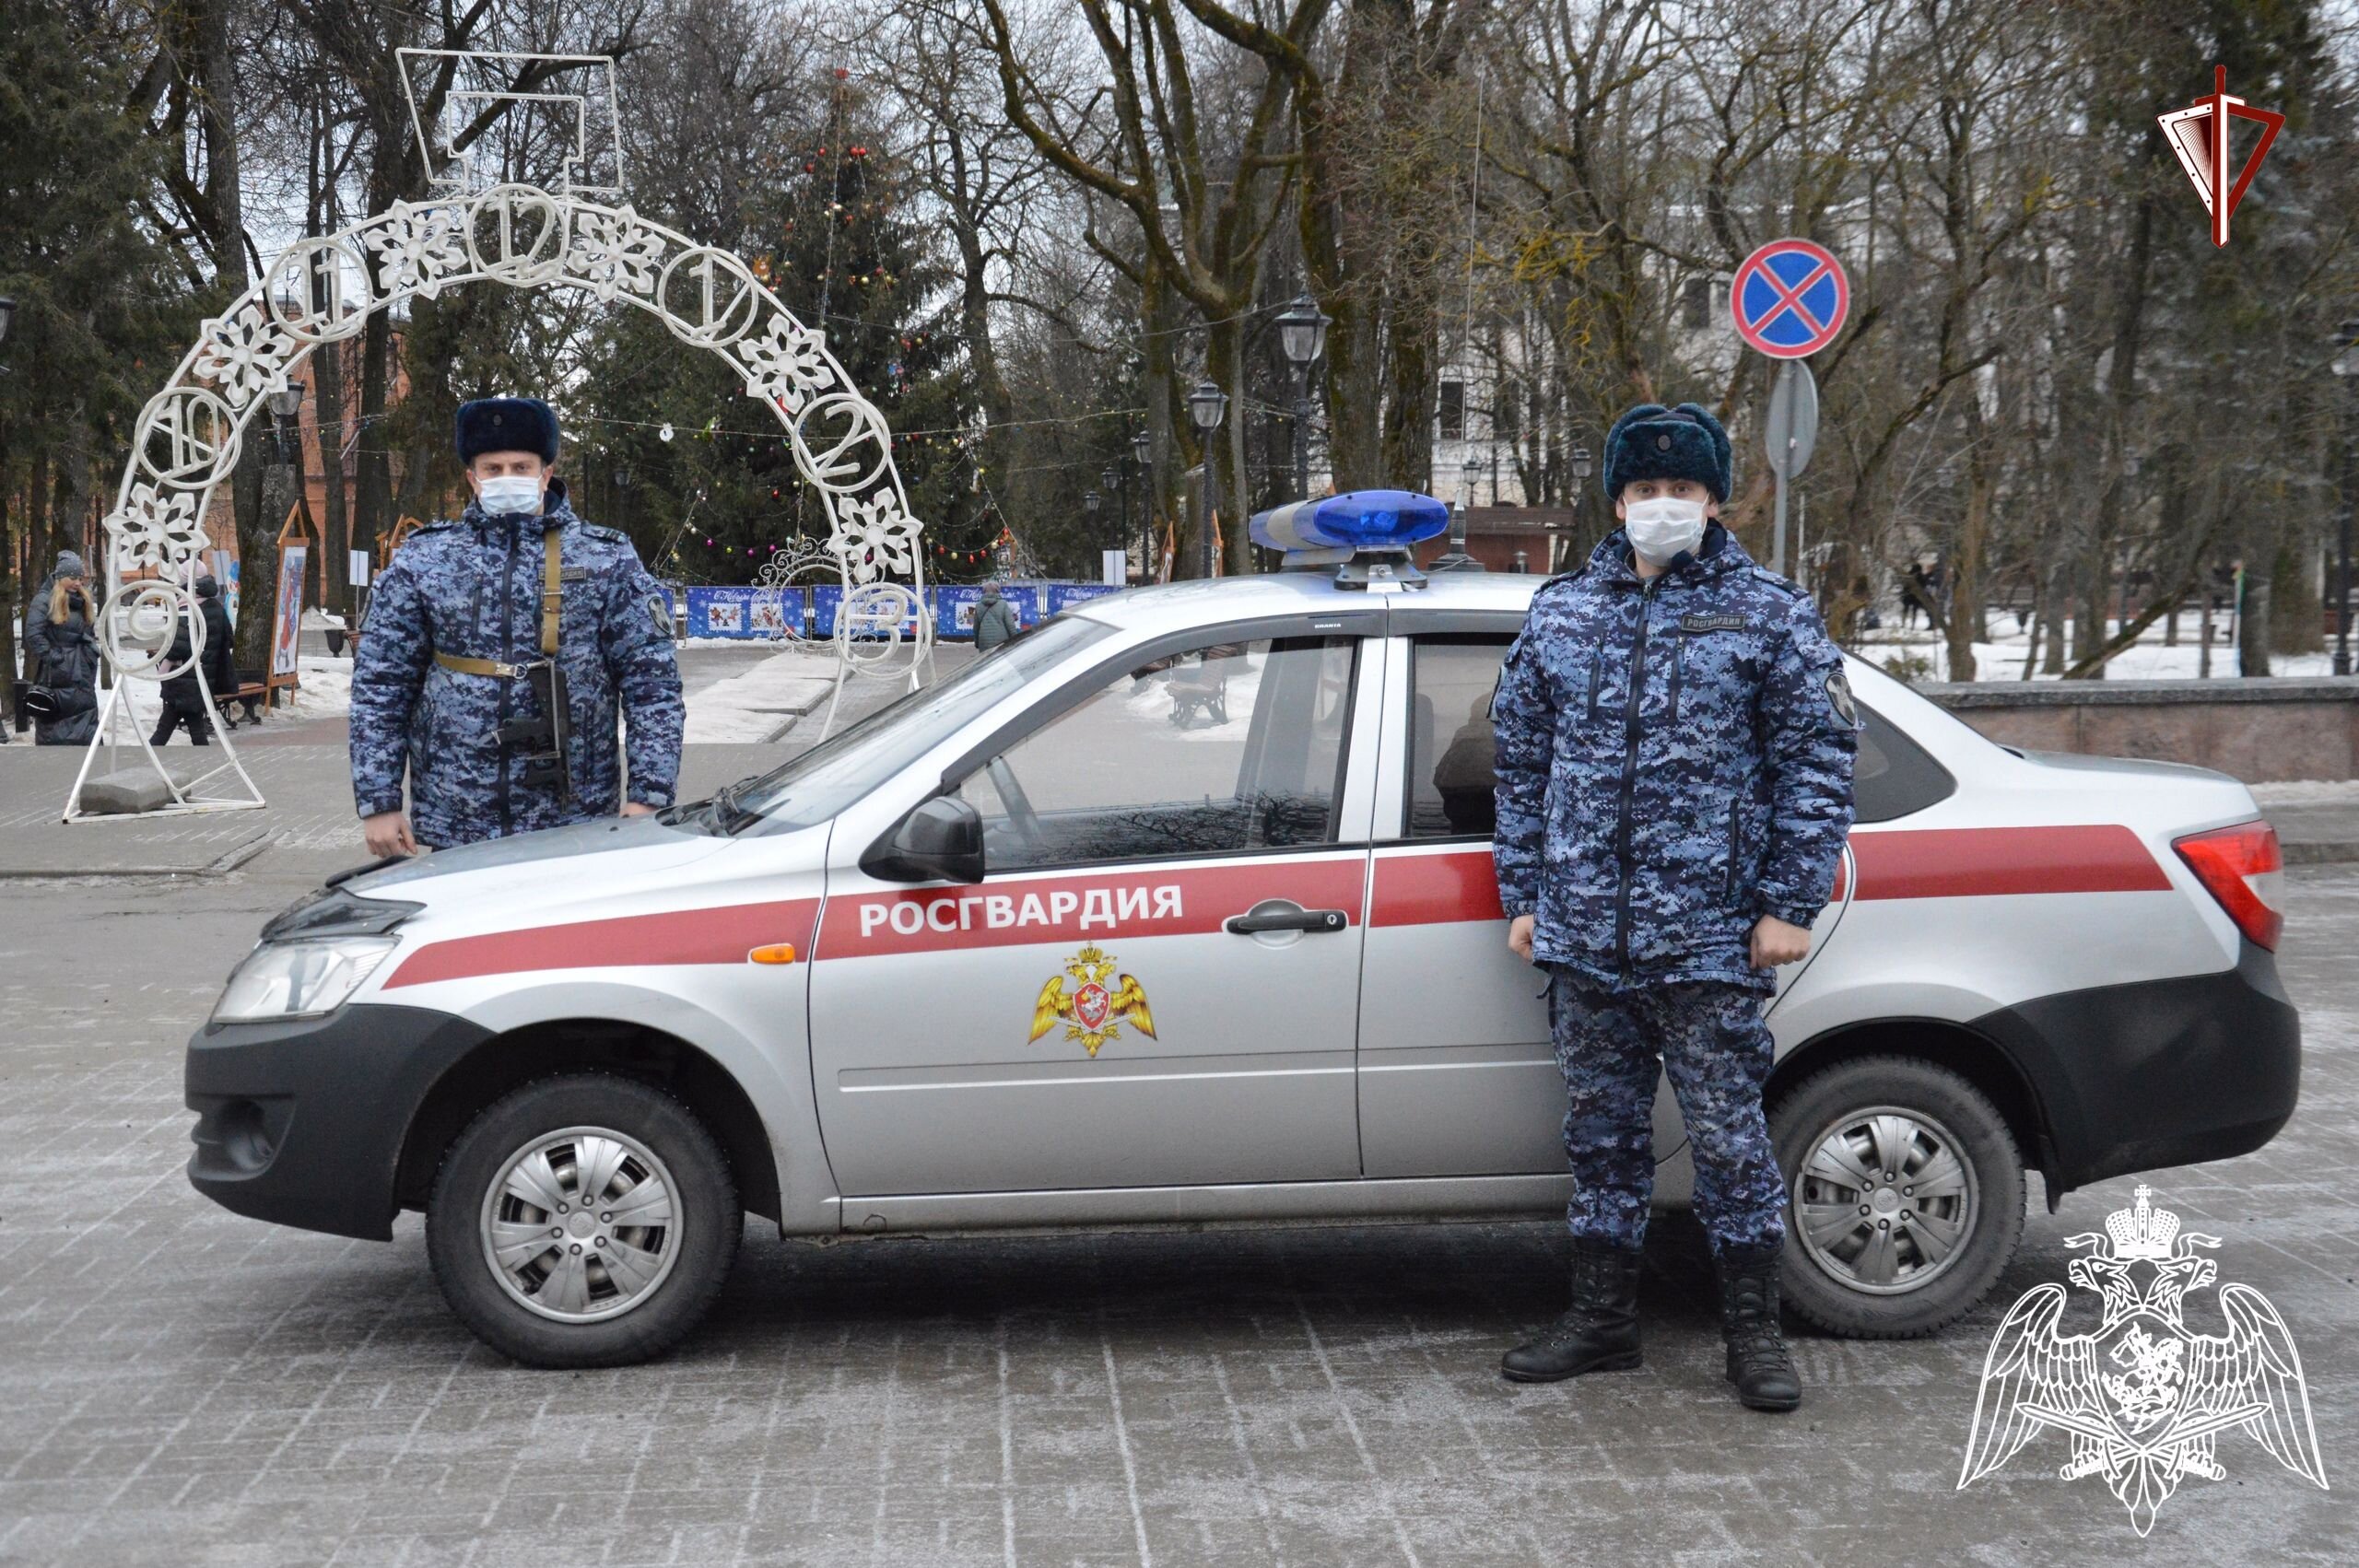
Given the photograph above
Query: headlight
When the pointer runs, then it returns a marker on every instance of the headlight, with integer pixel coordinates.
(299, 980)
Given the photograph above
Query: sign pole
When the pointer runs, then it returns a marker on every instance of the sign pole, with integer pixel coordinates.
(1781, 437)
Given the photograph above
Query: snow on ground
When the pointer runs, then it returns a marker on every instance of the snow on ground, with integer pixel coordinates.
(754, 705)
(2148, 659)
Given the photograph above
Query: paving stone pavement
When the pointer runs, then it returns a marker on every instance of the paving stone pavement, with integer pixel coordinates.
(183, 1386)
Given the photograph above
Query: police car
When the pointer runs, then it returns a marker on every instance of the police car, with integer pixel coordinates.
(1180, 909)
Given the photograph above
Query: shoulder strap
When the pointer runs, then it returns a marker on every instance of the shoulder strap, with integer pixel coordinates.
(552, 591)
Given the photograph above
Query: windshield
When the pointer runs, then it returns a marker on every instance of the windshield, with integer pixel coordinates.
(841, 769)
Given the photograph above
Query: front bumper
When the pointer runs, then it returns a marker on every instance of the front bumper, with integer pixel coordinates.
(2158, 1073)
(301, 1123)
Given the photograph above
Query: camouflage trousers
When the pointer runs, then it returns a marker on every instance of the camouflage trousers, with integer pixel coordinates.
(1611, 1045)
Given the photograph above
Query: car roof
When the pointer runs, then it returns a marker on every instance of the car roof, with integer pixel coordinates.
(1175, 606)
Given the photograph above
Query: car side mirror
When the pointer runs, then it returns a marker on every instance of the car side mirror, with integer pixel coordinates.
(941, 840)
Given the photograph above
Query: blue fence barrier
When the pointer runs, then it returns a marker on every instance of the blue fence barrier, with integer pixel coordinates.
(760, 614)
(748, 613)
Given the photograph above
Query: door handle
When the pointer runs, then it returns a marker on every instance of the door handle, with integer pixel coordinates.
(1283, 915)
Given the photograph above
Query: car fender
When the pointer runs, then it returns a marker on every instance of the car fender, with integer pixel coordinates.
(775, 1075)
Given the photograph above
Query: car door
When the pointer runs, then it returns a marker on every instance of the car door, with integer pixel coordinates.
(1157, 982)
(1456, 1075)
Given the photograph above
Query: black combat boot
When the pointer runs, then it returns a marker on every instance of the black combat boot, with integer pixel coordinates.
(1598, 1333)
(1758, 1363)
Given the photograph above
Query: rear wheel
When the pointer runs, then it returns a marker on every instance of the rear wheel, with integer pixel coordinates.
(1906, 1195)
(584, 1221)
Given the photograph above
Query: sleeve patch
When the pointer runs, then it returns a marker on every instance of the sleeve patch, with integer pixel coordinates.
(659, 610)
(1838, 697)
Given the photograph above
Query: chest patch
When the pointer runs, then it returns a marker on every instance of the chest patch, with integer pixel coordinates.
(1717, 623)
(573, 574)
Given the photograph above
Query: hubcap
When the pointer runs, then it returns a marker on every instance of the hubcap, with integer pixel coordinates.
(580, 1225)
(1884, 1201)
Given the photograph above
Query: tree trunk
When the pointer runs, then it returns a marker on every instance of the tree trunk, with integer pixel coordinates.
(12, 590)
(2252, 618)
(327, 381)
(1966, 566)
(2060, 612)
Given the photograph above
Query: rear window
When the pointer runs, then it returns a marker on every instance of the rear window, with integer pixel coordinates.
(1895, 775)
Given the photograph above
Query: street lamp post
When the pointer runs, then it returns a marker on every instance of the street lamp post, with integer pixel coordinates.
(1455, 558)
(7, 317)
(1142, 445)
(1581, 469)
(1117, 482)
(285, 404)
(1302, 333)
(1206, 407)
(2346, 367)
(1091, 500)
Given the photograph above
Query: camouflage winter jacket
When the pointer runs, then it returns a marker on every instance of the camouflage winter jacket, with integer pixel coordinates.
(473, 589)
(1675, 762)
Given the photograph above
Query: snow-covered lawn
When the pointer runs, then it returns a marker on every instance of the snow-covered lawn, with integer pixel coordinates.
(2147, 659)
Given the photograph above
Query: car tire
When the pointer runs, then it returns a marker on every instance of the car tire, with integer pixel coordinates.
(1853, 1265)
(553, 1302)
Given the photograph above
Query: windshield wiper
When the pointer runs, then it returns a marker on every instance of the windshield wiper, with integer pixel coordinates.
(727, 814)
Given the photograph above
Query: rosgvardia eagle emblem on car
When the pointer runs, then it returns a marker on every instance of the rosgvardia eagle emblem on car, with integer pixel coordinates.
(1092, 1011)
(2142, 1399)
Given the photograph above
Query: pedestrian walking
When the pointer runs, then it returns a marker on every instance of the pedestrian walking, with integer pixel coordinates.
(503, 647)
(1675, 743)
(184, 704)
(995, 620)
(62, 655)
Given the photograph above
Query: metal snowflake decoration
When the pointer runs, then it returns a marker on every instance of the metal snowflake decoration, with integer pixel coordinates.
(244, 353)
(788, 363)
(614, 252)
(154, 531)
(417, 247)
(874, 538)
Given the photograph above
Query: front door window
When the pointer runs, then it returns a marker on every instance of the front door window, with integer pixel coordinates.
(1234, 746)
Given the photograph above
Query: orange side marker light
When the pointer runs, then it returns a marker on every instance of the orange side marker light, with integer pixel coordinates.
(775, 952)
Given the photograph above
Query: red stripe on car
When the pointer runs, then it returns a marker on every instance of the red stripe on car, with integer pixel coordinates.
(680, 936)
(1420, 890)
(1982, 863)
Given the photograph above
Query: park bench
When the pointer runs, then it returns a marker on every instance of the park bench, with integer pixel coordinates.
(249, 692)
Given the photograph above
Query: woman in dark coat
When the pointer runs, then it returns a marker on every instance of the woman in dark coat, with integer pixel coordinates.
(62, 657)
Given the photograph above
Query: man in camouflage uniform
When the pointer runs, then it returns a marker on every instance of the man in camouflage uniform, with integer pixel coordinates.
(1675, 742)
(439, 681)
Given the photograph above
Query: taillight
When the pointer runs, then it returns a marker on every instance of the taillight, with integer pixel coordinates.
(2240, 866)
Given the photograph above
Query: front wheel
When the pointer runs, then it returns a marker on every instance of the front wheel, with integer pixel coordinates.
(1906, 1195)
(583, 1221)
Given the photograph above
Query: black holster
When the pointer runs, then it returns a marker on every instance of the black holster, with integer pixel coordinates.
(542, 741)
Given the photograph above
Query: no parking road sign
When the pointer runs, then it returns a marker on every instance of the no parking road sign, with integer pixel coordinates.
(1789, 299)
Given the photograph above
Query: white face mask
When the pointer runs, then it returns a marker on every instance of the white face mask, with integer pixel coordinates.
(1662, 527)
(506, 493)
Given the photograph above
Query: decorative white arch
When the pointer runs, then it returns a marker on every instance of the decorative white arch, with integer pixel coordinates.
(187, 438)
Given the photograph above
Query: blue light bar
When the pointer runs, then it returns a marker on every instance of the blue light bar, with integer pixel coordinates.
(1358, 519)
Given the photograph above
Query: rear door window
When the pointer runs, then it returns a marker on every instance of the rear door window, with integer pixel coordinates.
(1452, 763)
